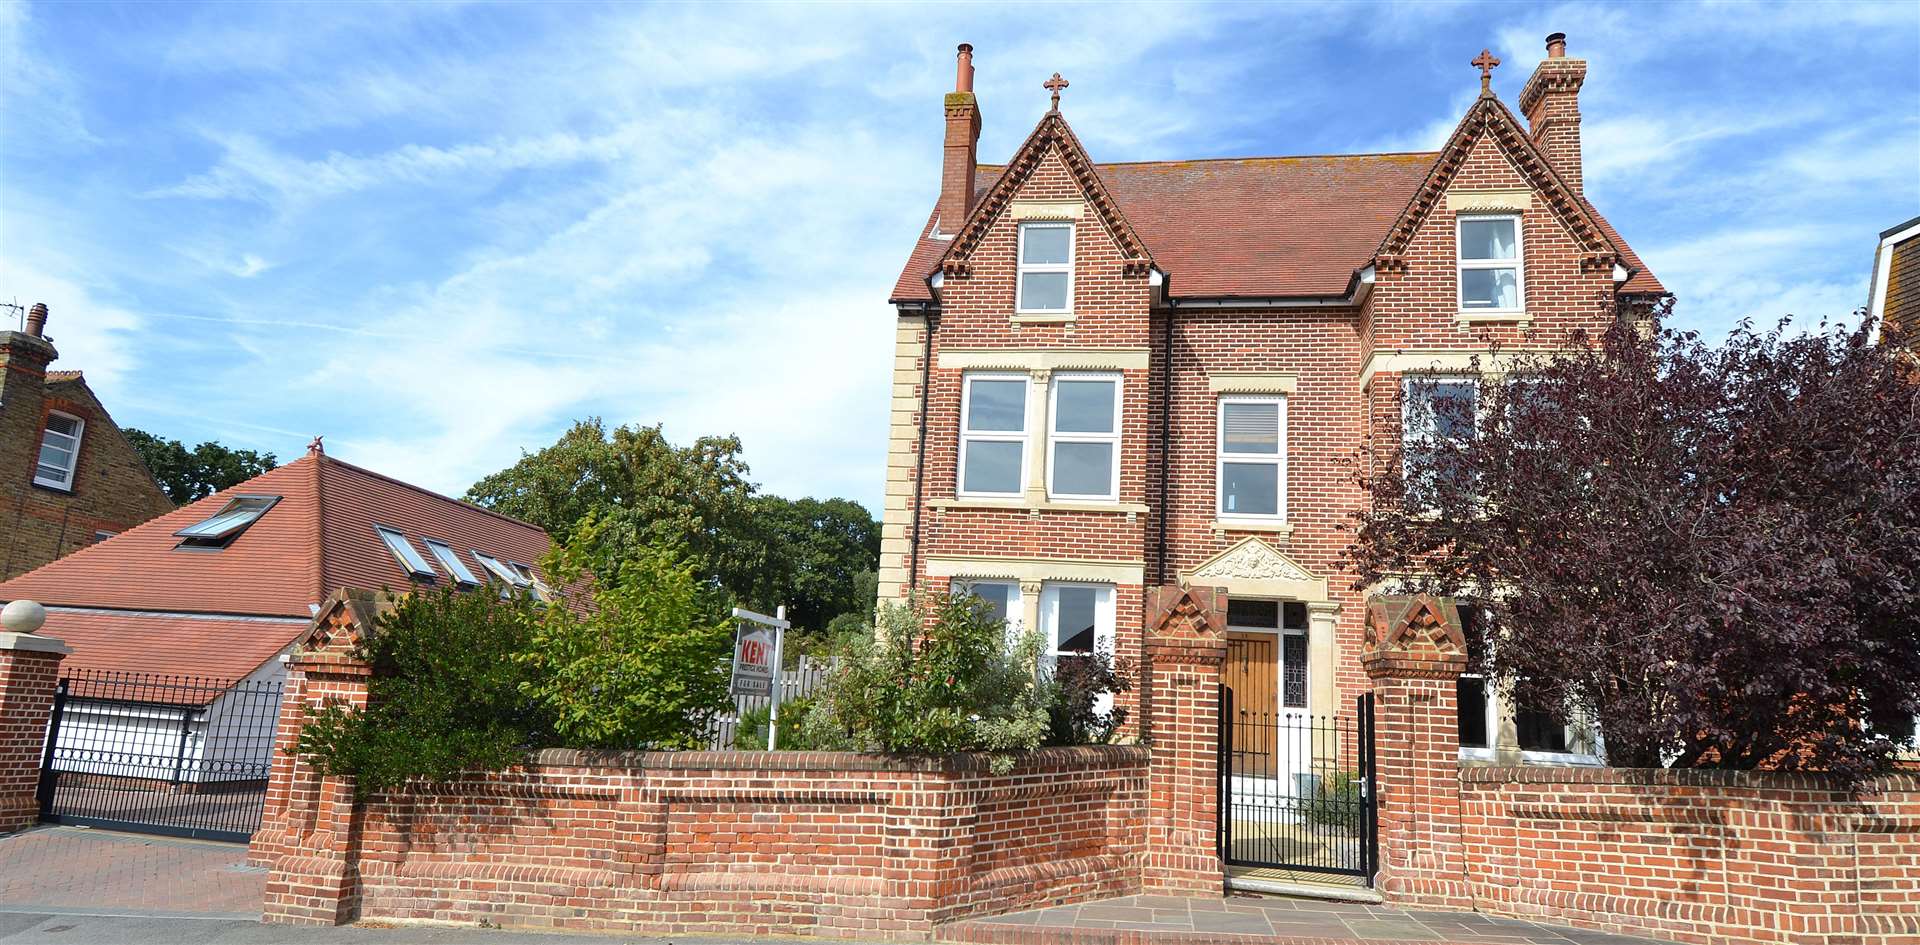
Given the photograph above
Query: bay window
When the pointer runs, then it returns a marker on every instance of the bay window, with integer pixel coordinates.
(1491, 271)
(993, 434)
(1251, 473)
(1083, 437)
(1046, 268)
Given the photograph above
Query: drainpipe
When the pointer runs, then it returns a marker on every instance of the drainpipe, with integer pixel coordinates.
(1166, 435)
(920, 457)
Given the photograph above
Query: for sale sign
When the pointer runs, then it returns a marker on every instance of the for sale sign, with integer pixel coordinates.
(753, 656)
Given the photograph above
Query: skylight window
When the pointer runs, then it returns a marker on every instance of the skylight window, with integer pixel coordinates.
(227, 524)
(403, 550)
(499, 569)
(450, 560)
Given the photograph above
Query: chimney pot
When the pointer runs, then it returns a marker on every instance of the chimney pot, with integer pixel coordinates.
(1556, 45)
(37, 320)
(963, 71)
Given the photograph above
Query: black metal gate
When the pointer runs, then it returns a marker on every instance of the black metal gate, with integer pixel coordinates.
(176, 755)
(1296, 790)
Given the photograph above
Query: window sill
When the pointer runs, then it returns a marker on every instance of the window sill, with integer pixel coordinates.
(1042, 318)
(1024, 504)
(1464, 319)
(1514, 756)
(50, 487)
(1279, 527)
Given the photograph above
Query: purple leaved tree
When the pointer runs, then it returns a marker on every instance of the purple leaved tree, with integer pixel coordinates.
(1709, 552)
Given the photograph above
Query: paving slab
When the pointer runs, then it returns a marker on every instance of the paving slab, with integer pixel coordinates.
(1249, 920)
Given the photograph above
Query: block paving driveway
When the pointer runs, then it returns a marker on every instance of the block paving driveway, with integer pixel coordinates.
(74, 886)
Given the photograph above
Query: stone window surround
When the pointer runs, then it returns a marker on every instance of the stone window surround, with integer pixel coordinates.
(1506, 202)
(1033, 574)
(1040, 364)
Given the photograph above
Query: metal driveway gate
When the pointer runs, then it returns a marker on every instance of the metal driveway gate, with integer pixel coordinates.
(1296, 790)
(177, 755)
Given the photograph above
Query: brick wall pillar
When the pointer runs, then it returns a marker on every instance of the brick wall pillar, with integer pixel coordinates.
(29, 673)
(1415, 652)
(309, 837)
(1186, 649)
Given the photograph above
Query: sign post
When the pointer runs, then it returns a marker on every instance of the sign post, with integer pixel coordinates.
(757, 645)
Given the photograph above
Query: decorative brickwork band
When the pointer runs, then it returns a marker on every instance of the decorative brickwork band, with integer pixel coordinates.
(1415, 652)
(29, 673)
(1186, 649)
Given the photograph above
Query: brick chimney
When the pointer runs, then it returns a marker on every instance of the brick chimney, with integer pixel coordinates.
(1551, 101)
(963, 147)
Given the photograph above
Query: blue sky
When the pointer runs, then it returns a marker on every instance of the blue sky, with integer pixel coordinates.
(439, 233)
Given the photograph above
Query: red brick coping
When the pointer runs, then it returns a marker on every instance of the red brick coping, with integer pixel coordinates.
(1696, 856)
(821, 843)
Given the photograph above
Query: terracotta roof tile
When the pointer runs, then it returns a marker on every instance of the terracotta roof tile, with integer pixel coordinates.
(1253, 227)
(56, 377)
(317, 539)
(170, 644)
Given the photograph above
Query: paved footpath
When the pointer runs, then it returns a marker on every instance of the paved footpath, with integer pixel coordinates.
(1260, 920)
(73, 886)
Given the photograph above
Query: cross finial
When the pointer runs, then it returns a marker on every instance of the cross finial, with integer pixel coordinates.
(1054, 85)
(1485, 62)
(315, 447)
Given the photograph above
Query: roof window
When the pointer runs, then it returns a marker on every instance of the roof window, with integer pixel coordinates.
(227, 524)
(403, 550)
(515, 575)
(450, 560)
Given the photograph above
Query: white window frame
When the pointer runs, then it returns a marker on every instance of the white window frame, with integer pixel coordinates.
(1492, 701)
(1518, 264)
(1103, 619)
(1428, 434)
(1501, 708)
(1009, 592)
(1222, 458)
(1022, 267)
(1055, 437)
(1024, 437)
(65, 483)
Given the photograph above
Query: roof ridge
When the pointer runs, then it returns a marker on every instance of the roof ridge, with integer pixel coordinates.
(1250, 157)
(432, 494)
(319, 533)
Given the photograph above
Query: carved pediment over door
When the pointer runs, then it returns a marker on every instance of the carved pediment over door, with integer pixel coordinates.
(1254, 568)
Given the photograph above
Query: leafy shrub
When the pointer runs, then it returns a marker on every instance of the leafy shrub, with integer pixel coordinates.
(1075, 716)
(646, 666)
(937, 676)
(447, 694)
(1336, 801)
(751, 732)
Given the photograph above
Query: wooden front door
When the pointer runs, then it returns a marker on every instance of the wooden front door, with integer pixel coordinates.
(1253, 673)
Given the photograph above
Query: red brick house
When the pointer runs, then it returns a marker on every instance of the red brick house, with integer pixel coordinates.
(1114, 376)
(68, 478)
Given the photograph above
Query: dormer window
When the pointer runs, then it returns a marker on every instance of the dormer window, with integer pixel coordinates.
(59, 451)
(235, 517)
(1046, 268)
(403, 551)
(1491, 277)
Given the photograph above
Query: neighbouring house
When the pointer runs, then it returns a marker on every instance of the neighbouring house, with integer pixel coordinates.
(1109, 377)
(195, 608)
(68, 478)
(1894, 298)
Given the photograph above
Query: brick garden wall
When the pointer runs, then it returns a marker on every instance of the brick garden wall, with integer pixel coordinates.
(1696, 856)
(787, 842)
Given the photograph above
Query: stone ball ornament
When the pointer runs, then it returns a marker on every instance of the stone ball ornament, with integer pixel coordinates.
(22, 616)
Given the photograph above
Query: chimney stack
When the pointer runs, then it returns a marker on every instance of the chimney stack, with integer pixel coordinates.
(37, 320)
(1551, 102)
(962, 147)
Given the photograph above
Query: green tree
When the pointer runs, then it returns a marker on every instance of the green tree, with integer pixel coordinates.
(446, 695)
(642, 491)
(820, 557)
(646, 665)
(188, 475)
